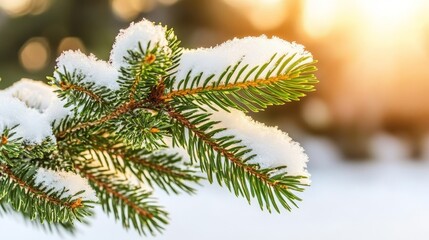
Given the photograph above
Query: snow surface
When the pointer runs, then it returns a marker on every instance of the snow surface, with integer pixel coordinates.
(144, 32)
(96, 71)
(65, 180)
(273, 148)
(346, 201)
(254, 51)
(40, 96)
(33, 106)
(372, 201)
(384, 146)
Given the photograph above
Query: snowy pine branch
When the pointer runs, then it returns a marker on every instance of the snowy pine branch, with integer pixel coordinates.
(130, 204)
(222, 156)
(26, 189)
(253, 80)
(149, 119)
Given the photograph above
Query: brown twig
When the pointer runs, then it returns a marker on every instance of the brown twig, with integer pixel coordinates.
(143, 161)
(68, 86)
(127, 107)
(134, 87)
(241, 85)
(141, 211)
(149, 59)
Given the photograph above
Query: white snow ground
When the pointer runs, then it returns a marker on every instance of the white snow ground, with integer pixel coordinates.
(381, 200)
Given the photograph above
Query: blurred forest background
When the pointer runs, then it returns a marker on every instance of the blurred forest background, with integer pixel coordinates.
(373, 57)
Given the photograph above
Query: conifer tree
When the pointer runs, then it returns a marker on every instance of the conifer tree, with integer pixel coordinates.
(156, 116)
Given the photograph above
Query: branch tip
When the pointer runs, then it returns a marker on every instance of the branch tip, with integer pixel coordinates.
(4, 140)
(150, 58)
(154, 130)
(77, 203)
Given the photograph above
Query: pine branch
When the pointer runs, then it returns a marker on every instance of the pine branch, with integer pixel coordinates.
(112, 121)
(142, 128)
(229, 86)
(87, 100)
(288, 80)
(68, 86)
(149, 59)
(226, 160)
(163, 170)
(45, 154)
(130, 205)
(10, 148)
(176, 53)
(18, 188)
(4, 208)
(144, 68)
(65, 128)
(49, 227)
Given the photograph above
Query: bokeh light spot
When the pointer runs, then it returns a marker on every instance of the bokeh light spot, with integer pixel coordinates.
(262, 14)
(34, 54)
(17, 8)
(127, 10)
(70, 43)
(316, 113)
(319, 17)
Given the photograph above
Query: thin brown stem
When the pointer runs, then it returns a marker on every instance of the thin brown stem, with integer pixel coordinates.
(149, 59)
(68, 86)
(134, 87)
(142, 161)
(240, 85)
(127, 107)
(109, 189)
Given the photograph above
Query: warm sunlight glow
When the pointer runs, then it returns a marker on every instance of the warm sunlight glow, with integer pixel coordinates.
(389, 13)
(262, 14)
(383, 48)
(319, 17)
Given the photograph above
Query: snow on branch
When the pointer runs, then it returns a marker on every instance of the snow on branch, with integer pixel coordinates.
(104, 74)
(62, 180)
(31, 107)
(93, 70)
(143, 33)
(107, 118)
(273, 148)
(251, 51)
